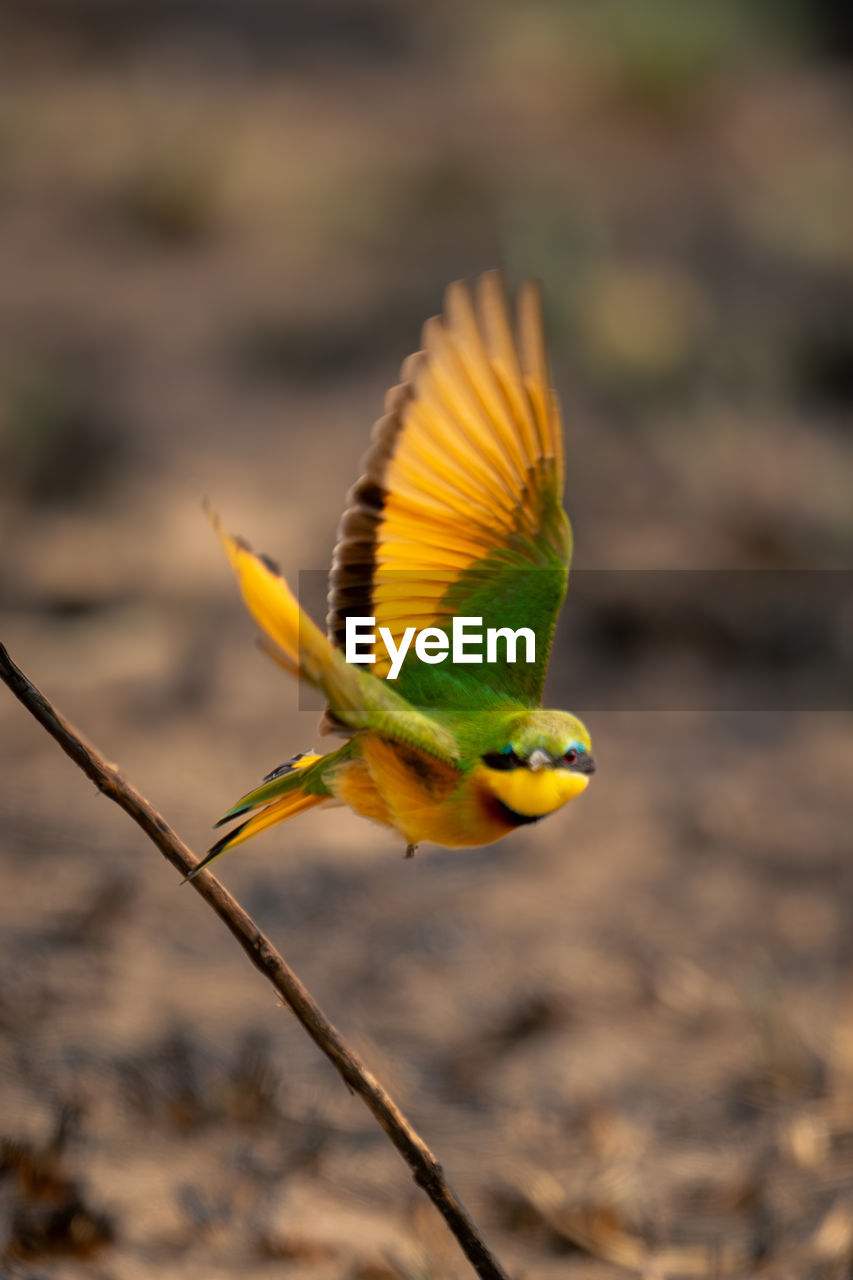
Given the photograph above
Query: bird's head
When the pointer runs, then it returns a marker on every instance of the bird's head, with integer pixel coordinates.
(544, 760)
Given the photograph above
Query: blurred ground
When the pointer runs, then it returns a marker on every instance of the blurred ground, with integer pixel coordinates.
(628, 1034)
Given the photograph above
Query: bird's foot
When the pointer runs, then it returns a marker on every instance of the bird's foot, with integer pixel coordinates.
(411, 850)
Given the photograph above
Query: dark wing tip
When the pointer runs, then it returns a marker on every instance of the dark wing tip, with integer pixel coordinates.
(273, 565)
(357, 531)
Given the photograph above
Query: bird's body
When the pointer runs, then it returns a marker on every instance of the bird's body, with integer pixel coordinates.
(457, 517)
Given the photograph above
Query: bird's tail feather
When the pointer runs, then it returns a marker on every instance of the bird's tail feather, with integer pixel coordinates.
(281, 795)
(286, 806)
(275, 784)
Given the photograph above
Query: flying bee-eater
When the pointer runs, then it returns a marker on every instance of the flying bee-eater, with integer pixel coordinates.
(458, 518)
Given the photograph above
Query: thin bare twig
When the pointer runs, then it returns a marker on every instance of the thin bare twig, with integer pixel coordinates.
(427, 1172)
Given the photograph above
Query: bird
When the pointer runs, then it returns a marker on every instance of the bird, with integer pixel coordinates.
(457, 519)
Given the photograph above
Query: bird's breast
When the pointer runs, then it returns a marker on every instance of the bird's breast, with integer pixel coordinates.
(420, 797)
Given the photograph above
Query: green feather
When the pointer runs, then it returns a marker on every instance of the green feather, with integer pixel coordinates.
(520, 585)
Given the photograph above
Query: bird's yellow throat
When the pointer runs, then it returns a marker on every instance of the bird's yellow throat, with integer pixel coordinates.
(533, 794)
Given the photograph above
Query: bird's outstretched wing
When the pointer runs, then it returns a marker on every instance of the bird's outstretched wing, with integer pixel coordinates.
(459, 511)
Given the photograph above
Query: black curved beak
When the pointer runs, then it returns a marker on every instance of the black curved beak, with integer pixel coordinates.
(584, 764)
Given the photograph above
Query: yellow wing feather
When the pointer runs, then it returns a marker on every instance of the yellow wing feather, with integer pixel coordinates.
(467, 459)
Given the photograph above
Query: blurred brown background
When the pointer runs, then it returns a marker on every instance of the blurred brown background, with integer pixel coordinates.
(627, 1033)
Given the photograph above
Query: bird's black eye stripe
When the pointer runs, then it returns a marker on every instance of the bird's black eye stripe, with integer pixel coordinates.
(502, 760)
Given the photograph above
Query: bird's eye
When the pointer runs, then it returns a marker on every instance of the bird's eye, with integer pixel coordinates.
(571, 755)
